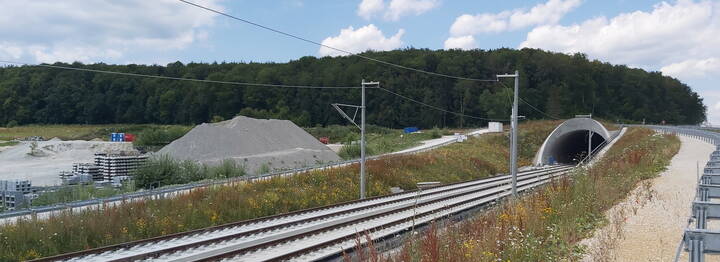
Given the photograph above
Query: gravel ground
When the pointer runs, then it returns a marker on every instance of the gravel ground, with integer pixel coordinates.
(654, 215)
(55, 156)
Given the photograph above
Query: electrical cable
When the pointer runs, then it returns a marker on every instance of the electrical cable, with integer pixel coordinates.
(531, 106)
(334, 48)
(440, 109)
(240, 83)
(538, 110)
(180, 78)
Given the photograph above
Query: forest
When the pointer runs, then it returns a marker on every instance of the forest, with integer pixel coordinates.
(552, 85)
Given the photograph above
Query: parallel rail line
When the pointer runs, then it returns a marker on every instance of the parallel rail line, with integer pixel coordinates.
(316, 233)
(177, 189)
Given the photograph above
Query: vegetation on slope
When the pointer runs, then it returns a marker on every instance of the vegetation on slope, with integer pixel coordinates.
(559, 84)
(476, 158)
(547, 224)
(79, 132)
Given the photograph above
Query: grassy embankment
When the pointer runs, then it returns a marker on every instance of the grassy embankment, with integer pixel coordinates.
(547, 224)
(77, 132)
(164, 171)
(9, 143)
(380, 140)
(476, 158)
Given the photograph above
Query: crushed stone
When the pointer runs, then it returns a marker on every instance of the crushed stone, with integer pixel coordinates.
(252, 143)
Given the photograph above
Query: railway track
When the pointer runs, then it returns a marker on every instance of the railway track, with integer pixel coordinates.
(316, 233)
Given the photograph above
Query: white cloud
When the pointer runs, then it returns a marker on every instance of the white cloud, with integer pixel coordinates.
(395, 9)
(693, 68)
(461, 42)
(364, 38)
(399, 8)
(542, 14)
(670, 33)
(95, 30)
(680, 38)
(367, 8)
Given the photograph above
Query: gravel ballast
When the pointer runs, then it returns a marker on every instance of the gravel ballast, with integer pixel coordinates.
(279, 144)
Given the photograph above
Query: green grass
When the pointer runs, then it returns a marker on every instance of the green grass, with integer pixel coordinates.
(546, 225)
(9, 143)
(476, 158)
(74, 132)
(79, 192)
(380, 140)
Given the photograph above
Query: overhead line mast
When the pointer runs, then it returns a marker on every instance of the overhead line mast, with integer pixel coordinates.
(513, 131)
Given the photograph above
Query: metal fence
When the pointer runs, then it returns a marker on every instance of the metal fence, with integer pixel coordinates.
(700, 240)
(176, 189)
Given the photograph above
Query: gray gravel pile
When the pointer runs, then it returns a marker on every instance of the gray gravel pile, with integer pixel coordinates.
(279, 144)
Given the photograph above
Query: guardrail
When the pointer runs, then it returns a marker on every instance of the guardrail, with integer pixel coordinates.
(701, 241)
(169, 190)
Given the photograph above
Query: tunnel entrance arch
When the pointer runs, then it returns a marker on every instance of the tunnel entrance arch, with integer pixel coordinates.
(568, 143)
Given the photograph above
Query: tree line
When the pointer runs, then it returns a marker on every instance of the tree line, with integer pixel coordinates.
(557, 85)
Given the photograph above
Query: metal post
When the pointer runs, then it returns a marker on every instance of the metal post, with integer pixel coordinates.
(696, 250)
(513, 159)
(513, 132)
(590, 133)
(701, 216)
(362, 142)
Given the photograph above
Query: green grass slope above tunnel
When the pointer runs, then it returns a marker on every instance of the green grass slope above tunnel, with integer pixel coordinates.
(477, 158)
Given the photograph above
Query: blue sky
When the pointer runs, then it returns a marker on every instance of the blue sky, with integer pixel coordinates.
(678, 37)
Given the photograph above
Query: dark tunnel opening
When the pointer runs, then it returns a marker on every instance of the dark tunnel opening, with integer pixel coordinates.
(571, 148)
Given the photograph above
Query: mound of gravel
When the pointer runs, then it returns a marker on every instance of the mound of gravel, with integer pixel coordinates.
(279, 144)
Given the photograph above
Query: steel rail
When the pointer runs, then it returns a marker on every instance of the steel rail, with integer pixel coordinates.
(177, 189)
(499, 191)
(341, 207)
(369, 209)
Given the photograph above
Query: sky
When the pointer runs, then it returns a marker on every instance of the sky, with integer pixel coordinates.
(678, 38)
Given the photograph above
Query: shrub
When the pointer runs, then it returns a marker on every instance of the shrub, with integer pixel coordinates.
(352, 151)
(11, 124)
(158, 137)
(163, 170)
(216, 119)
(436, 133)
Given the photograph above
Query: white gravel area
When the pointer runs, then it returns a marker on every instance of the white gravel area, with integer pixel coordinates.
(654, 215)
(53, 157)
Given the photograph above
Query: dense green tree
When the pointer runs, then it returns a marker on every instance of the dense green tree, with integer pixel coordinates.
(560, 85)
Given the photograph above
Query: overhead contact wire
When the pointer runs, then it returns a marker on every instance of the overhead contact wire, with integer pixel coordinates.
(438, 108)
(333, 48)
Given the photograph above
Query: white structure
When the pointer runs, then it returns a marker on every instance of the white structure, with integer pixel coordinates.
(118, 165)
(495, 127)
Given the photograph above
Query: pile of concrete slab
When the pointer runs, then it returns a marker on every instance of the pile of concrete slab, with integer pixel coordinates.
(252, 143)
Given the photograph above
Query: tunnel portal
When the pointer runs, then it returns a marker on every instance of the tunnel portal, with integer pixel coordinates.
(573, 146)
(568, 143)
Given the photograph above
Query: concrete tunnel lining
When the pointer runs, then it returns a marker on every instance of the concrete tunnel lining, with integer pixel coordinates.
(569, 141)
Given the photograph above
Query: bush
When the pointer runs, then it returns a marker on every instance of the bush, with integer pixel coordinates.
(352, 151)
(164, 170)
(216, 119)
(158, 137)
(11, 124)
(436, 133)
